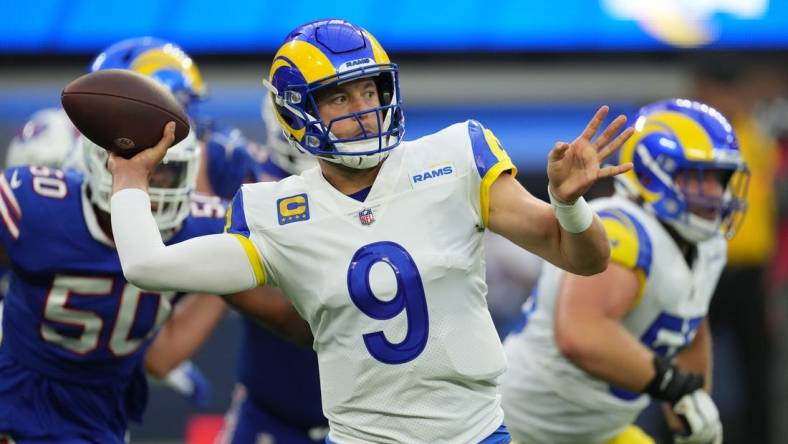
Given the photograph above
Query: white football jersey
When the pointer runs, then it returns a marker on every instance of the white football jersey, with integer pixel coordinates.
(392, 287)
(546, 398)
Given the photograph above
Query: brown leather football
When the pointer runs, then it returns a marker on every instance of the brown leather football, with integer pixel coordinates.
(123, 111)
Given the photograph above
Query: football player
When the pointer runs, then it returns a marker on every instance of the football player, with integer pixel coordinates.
(227, 162)
(594, 350)
(49, 138)
(276, 403)
(75, 331)
(379, 248)
(170, 65)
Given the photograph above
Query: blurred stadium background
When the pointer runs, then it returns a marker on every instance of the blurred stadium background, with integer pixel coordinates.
(533, 72)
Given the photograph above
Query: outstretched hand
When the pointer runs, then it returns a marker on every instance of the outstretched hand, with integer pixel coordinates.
(135, 172)
(573, 167)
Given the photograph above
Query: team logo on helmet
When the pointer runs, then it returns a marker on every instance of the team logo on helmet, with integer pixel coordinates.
(677, 138)
(324, 54)
(157, 58)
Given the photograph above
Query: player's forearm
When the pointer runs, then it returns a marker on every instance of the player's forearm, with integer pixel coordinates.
(586, 252)
(697, 357)
(193, 320)
(215, 264)
(270, 308)
(604, 349)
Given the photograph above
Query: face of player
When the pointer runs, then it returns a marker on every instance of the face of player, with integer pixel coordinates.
(351, 97)
(168, 175)
(704, 191)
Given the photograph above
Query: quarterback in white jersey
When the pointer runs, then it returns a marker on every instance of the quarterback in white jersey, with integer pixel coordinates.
(591, 349)
(380, 249)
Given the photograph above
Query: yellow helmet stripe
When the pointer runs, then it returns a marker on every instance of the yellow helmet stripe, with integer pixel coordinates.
(311, 62)
(168, 57)
(693, 138)
(377, 51)
(628, 155)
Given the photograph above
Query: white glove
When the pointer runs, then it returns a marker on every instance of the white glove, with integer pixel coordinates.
(700, 417)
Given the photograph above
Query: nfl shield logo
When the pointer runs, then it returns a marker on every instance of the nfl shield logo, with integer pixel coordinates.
(366, 217)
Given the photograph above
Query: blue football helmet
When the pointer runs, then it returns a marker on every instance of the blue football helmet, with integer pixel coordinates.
(683, 137)
(161, 59)
(322, 54)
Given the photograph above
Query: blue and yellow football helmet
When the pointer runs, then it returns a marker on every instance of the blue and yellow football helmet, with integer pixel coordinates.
(161, 59)
(321, 54)
(683, 137)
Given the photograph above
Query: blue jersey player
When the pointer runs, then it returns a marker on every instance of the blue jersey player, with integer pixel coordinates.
(75, 331)
(280, 403)
(226, 162)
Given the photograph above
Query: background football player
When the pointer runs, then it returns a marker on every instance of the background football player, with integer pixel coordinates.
(74, 331)
(226, 160)
(593, 350)
(49, 138)
(276, 403)
(381, 228)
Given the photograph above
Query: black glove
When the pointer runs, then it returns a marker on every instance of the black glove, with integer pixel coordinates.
(671, 383)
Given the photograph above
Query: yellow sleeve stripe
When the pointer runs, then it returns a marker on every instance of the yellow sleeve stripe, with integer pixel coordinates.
(254, 258)
(641, 275)
(504, 164)
(228, 220)
(487, 181)
(629, 247)
(632, 435)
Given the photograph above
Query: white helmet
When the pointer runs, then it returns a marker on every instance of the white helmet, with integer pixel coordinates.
(286, 156)
(46, 139)
(171, 186)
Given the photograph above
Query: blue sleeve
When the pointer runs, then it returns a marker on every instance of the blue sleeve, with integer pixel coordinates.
(488, 154)
(207, 216)
(229, 161)
(38, 204)
(236, 218)
(630, 245)
(237, 226)
(490, 160)
(10, 210)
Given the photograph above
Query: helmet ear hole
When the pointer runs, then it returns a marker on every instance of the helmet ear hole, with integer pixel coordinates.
(385, 84)
(288, 120)
(725, 178)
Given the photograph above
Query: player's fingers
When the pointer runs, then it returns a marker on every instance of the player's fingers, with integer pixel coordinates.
(613, 170)
(610, 131)
(168, 136)
(596, 121)
(111, 162)
(611, 148)
(558, 151)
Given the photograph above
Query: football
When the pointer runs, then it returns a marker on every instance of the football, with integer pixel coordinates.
(123, 111)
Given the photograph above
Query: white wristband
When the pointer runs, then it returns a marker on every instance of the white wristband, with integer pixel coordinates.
(574, 218)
